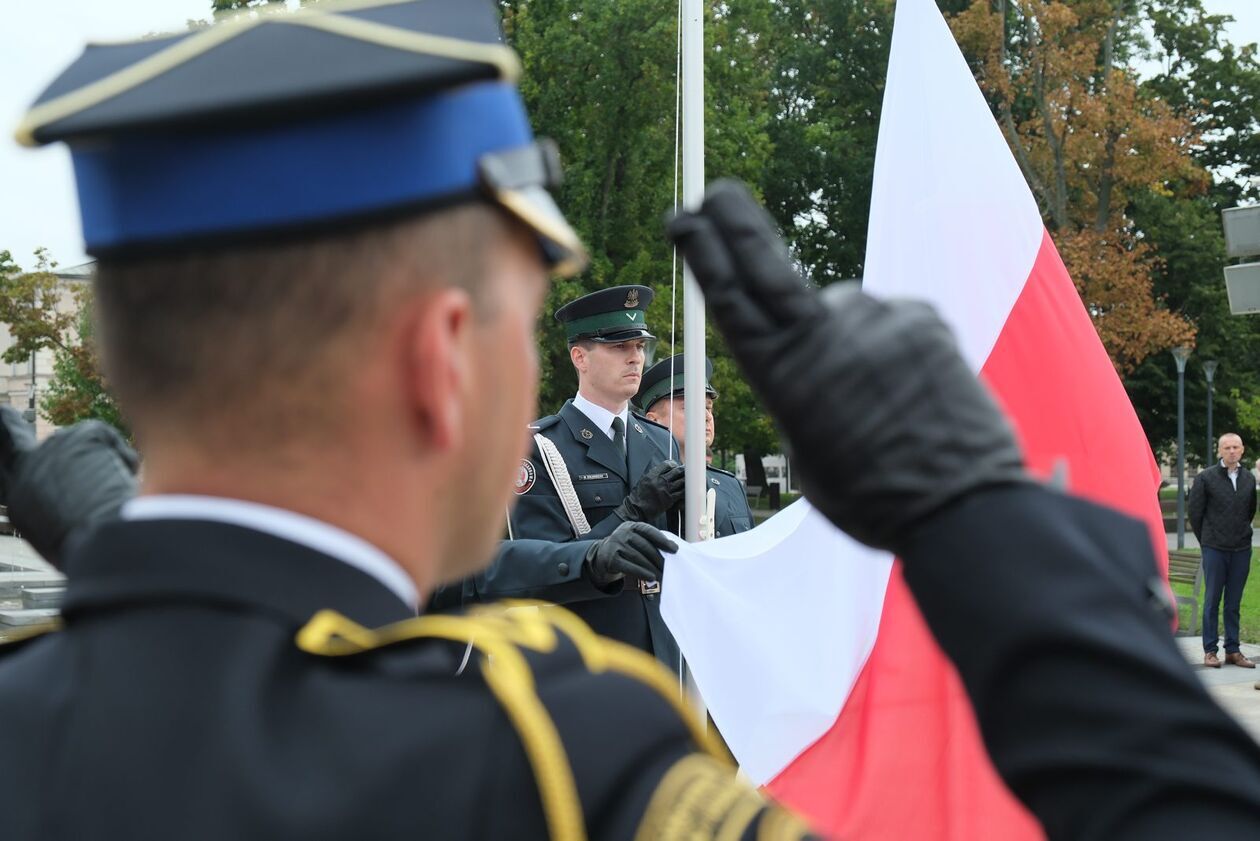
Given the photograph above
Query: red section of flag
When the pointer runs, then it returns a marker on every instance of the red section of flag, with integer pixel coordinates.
(1053, 377)
(904, 759)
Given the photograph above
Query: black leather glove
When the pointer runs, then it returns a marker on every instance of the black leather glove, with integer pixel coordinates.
(887, 421)
(78, 477)
(657, 491)
(634, 550)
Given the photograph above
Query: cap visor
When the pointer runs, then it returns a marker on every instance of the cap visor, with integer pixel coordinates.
(536, 208)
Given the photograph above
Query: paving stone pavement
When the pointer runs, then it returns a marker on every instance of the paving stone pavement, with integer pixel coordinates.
(1232, 687)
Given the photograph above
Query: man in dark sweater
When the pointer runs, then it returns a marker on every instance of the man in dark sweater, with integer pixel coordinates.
(1222, 504)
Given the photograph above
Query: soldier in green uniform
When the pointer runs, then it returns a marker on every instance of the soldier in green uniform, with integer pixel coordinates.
(595, 489)
(660, 398)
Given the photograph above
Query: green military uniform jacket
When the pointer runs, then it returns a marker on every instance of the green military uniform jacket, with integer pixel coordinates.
(545, 558)
(731, 512)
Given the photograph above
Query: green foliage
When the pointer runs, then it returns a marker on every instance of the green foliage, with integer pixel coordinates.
(42, 313)
(828, 88)
(29, 306)
(1217, 85)
(600, 79)
(77, 390)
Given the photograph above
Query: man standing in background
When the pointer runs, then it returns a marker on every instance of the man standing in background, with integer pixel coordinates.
(1222, 505)
(661, 399)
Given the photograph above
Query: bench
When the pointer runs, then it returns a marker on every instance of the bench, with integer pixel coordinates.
(6, 527)
(753, 492)
(1187, 568)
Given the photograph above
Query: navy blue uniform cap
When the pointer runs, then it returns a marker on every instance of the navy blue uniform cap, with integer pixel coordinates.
(293, 120)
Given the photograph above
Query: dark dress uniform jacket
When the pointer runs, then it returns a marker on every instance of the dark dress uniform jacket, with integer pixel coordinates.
(191, 695)
(731, 512)
(546, 560)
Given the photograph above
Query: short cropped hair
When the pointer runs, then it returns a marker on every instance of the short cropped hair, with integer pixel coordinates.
(258, 336)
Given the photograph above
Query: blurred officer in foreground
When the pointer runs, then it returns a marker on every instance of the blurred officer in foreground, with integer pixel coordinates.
(178, 700)
(594, 489)
(323, 241)
(660, 398)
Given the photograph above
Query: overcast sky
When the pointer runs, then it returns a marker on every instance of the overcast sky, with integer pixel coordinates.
(37, 203)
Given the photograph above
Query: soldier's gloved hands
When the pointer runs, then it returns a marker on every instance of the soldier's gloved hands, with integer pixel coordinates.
(657, 491)
(634, 550)
(78, 477)
(887, 422)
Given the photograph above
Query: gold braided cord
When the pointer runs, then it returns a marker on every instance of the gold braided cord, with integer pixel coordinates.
(699, 797)
(32, 631)
(778, 824)
(602, 654)
(131, 76)
(510, 680)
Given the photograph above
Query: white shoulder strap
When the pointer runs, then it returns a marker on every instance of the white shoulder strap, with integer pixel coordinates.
(559, 473)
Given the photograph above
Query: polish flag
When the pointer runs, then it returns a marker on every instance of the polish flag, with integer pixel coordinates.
(808, 648)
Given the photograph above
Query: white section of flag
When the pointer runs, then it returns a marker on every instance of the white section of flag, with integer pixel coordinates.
(776, 624)
(952, 220)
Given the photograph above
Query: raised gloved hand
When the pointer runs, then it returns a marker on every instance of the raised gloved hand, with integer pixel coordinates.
(657, 491)
(634, 550)
(887, 422)
(78, 477)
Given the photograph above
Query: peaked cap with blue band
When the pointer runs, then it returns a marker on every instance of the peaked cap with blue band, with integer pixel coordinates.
(666, 378)
(291, 121)
(610, 316)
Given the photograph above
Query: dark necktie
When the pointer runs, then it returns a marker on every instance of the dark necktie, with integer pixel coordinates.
(619, 435)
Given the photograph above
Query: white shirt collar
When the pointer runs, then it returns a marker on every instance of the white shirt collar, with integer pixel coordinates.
(601, 417)
(288, 525)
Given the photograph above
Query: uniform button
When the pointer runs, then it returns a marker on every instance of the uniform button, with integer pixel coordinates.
(598, 498)
(564, 568)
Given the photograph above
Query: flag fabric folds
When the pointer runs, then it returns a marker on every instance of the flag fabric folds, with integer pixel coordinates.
(808, 648)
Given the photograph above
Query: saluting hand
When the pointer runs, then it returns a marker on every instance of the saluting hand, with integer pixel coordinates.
(78, 477)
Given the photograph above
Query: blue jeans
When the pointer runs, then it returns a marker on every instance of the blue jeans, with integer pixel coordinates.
(1223, 572)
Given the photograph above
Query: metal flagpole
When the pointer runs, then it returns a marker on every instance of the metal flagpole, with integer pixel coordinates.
(693, 301)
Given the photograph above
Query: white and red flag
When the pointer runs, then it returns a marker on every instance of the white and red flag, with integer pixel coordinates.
(808, 648)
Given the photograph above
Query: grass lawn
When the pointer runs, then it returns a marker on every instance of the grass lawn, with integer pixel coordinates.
(1249, 626)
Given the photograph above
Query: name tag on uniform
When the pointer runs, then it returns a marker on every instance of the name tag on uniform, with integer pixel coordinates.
(586, 476)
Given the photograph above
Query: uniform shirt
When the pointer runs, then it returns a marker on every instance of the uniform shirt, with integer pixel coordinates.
(601, 417)
(298, 528)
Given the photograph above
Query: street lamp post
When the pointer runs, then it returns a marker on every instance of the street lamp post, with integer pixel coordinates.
(1181, 354)
(1209, 371)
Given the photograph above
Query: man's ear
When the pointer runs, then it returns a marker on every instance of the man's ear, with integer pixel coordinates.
(440, 366)
(577, 355)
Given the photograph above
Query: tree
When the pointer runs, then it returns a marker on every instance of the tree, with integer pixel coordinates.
(1088, 139)
(828, 87)
(34, 306)
(1216, 86)
(600, 79)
